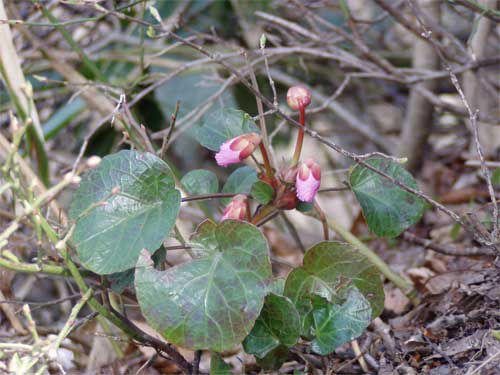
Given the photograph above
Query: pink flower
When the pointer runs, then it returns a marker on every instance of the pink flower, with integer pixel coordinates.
(236, 209)
(298, 96)
(237, 149)
(308, 180)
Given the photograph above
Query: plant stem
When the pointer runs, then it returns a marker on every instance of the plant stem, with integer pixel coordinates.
(264, 211)
(72, 319)
(265, 159)
(207, 196)
(300, 136)
(49, 269)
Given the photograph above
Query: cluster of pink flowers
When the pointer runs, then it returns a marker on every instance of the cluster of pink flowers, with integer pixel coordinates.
(307, 175)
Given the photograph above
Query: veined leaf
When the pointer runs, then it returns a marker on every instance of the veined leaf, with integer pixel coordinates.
(262, 192)
(126, 204)
(388, 209)
(325, 284)
(222, 125)
(200, 181)
(240, 182)
(335, 324)
(278, 324)
(211, 302)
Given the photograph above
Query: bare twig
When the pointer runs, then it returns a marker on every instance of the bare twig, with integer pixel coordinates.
(207, 196)
(446, 249)
(166, 137)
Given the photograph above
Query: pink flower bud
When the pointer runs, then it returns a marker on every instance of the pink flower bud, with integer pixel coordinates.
(298, 96)
(237, 149)
(236, 209)
(308, 180)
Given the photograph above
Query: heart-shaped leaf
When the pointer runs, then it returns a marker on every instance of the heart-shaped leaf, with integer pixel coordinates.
(337, 324)
(126, 204)
(278, 324)
(262, 192)
(211, 302)
(222, 125)
(329, 272)
(240, 182)
(200, 181)
(388, 209)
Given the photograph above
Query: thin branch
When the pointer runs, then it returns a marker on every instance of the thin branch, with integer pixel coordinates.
(207, 196)
(446, 249)
(166, 137)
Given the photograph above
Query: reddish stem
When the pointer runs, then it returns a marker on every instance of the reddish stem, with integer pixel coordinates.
(300, 136)
(265, 158)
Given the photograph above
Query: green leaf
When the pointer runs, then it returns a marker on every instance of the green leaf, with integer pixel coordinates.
(337, 324)
(330, 269)
(211, 302)
(274, 359)
(200, 181)
(278, 324)
(277, 286)
(126, 204)
(224, 124)
(218, 366)
(388, 209)
(119, 281)
(205, 242)
(240, 182)
(262, 192)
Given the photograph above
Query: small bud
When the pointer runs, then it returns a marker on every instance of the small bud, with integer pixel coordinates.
(236, 209)
(93, 161)
(297, 97)
(237, 149)
(262, 41)
(14, 124)
(308, 180)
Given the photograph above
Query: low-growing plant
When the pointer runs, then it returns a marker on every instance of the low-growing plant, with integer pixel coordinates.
(226, 294)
